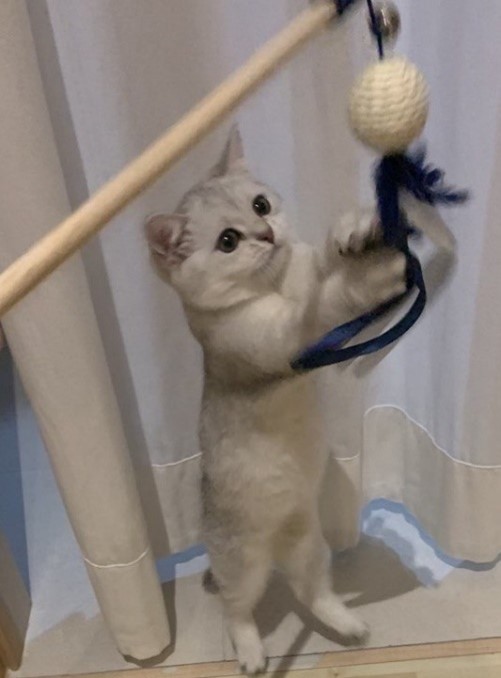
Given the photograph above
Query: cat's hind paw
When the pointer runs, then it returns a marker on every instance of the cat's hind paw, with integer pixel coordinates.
(249, 647)
(338, 617)
(252, 658)
(350, 626)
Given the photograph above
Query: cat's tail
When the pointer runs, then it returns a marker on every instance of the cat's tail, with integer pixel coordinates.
(209, 582)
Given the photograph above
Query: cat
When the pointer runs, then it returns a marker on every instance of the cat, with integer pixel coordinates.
(254, 297)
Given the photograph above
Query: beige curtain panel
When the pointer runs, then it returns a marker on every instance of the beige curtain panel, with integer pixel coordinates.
(54, 338)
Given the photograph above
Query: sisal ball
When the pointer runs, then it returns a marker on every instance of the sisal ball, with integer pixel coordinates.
(389, 105)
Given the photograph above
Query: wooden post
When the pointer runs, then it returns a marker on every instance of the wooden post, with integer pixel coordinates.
(15, 608)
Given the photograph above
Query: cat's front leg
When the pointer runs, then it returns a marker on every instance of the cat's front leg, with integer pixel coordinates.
(373, 277)
(358, 271)
(263, 336)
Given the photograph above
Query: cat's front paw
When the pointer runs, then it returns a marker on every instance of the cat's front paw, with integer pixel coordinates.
(355, 233)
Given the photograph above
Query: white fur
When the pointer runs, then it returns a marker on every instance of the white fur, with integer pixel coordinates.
(261, 432)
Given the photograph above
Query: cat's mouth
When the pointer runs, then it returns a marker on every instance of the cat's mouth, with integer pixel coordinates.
(273, 251)
(273, 261)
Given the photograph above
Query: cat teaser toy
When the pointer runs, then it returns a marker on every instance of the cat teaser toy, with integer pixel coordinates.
(388, 110)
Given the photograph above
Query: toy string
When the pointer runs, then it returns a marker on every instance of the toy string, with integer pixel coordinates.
(376, 30)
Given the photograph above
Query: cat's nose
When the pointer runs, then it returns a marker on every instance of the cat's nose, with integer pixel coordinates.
(267, 235)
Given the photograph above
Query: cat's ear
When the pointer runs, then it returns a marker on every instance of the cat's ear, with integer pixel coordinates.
(168, 238)
(233, 158)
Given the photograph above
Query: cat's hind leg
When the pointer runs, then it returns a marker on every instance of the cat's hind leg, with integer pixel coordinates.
(305, 558)
(241, 575)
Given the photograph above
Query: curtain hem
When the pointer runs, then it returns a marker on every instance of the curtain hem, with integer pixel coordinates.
(400, 462)
(403, 463)
(132, 603)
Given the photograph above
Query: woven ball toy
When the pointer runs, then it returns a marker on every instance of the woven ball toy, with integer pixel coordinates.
(389, 105)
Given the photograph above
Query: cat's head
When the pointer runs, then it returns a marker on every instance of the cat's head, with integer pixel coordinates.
(228, 240)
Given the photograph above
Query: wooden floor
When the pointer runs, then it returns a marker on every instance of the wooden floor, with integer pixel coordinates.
(488, 666)
(483, 666)
(476, 666)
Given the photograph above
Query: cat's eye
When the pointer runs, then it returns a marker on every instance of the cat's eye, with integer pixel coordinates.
(228, 240)
(261, 205)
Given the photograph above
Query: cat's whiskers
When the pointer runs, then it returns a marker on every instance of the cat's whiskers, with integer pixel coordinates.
(269, 268)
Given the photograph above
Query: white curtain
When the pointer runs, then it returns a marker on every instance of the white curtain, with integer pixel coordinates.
(420, 424)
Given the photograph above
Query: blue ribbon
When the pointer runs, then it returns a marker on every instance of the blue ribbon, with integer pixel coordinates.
(330, 350)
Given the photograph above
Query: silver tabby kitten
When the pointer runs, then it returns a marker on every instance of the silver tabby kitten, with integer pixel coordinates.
(254, 297)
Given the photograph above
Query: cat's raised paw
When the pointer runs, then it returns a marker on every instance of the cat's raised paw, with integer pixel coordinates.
(356, 233)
